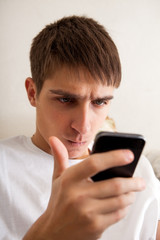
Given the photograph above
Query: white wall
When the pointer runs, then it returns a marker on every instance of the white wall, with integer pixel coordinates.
(135, 27)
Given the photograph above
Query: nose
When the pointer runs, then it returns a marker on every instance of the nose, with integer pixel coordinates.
(82, 120)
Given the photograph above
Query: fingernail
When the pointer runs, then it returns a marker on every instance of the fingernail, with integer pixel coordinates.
(129, 155)
(143, 184)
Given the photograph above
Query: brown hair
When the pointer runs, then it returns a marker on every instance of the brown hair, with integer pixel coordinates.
(75, 41)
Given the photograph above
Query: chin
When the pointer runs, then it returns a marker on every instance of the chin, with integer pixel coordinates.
(74, 155)
(77, 155)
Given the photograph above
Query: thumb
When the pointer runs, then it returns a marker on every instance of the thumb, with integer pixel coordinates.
(60, 155)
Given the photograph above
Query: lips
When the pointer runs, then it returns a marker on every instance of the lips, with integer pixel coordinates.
(77, 143)
(76, 149)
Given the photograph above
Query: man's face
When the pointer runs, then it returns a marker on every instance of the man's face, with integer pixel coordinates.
(71, 106)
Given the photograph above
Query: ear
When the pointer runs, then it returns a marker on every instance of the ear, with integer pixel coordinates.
(31, 91)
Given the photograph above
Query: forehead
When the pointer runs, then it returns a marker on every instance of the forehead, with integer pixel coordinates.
(76, 80)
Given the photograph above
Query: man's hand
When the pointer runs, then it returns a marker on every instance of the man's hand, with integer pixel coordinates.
(79, 208)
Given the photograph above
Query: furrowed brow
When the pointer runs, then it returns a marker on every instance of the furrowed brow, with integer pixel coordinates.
(104, 98)
(64, 93)
(76, 96)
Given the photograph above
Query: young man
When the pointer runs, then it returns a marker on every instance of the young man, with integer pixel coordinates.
(75, 69)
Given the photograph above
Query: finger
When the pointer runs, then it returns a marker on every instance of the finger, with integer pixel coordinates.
(103, 221)
(99, 162)
(60, 156)
(108, 205)
(100, 222)
(115, 187)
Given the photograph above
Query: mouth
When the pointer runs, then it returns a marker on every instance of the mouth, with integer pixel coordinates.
(77, 149)
(77, 143)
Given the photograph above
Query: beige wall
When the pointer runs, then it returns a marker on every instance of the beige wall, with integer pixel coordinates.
(134, 26)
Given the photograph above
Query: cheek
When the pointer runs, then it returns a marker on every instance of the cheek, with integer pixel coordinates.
(98, 122)
(50, 118)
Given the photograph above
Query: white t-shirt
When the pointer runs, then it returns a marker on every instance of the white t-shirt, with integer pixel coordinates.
(25, 186)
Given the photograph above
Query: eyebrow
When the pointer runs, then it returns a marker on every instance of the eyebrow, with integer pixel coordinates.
(76, 96)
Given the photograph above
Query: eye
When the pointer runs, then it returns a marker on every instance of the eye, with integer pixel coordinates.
(65, 100)
(100, 102)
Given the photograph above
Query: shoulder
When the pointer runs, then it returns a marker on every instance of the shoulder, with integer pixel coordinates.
(13, 142)
(19, 148)
(10, 147)
(145, 170)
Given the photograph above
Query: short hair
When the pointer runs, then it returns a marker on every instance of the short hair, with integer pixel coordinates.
(75, 41)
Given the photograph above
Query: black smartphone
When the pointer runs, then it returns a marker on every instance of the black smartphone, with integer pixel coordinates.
(108, 141)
